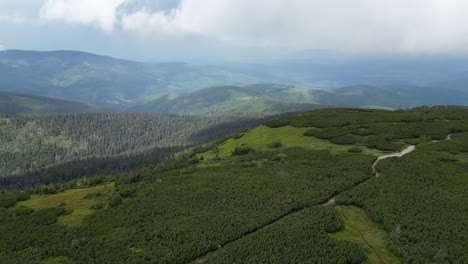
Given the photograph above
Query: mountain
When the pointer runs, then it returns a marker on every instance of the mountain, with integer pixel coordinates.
(15, 103)
(330, 71)
(338, 185)
(103, 80)
(278, 98)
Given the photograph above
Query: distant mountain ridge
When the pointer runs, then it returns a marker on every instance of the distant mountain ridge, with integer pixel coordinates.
(278, 98)
(102, 79)
(177, 87)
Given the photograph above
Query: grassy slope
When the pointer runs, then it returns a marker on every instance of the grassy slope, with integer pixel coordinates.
(359, 228)
(70, 199)
(262, 136)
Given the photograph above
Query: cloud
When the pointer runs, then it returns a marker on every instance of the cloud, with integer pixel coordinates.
(359, 25)
(102, 13)
(2, 48)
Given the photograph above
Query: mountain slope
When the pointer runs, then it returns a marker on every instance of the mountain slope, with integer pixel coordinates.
(295, 189)
(31, 144)
(104, 80)
(14, 103)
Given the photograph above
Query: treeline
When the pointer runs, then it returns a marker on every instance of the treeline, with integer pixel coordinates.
(90, 167)
(32, 143)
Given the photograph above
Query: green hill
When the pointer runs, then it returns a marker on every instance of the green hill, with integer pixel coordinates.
(14, 103)
(295, 189)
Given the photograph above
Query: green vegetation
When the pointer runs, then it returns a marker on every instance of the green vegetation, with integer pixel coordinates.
(263, 136)
(79, 201)
(31, 144)
(420, 200)
(265, 205)
(359, 228)
(298, 238)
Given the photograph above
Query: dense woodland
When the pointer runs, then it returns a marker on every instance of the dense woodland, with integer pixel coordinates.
(31, 144)
(266, 205)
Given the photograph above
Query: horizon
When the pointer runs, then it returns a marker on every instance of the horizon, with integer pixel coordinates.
(238, 31)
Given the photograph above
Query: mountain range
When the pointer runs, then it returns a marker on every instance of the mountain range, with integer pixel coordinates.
(71, 81)
(104, 80)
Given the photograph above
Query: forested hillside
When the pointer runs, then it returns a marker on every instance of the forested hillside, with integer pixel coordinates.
(14, 104)
(295, 189)
(32, 143)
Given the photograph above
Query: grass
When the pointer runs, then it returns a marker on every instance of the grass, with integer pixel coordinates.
(262, 136)
(359, 228)
(71, 199)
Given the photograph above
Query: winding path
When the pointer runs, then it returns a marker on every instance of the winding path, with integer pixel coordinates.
(398, 154)
(331, 201)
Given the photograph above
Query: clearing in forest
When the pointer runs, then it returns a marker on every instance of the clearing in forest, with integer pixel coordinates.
(74, 199)
(359, 228)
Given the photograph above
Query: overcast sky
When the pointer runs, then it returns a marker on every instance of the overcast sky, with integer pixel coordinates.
(236, 30)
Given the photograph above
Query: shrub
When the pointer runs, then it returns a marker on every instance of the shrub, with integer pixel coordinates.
(242, 150)
(277, 123)
(276, 144)
(114, 200)
(355, 150)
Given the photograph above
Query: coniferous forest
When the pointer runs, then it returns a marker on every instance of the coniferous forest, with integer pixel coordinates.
(75, 145)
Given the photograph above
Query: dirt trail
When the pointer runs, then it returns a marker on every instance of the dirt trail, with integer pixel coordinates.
(398, 154)
(331, 201)
(392, 155)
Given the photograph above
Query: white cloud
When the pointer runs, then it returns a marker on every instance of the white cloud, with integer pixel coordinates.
(94, 12)
(369, 25)
(2, 48)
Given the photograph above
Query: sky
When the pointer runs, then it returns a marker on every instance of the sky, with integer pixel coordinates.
(236, 30)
